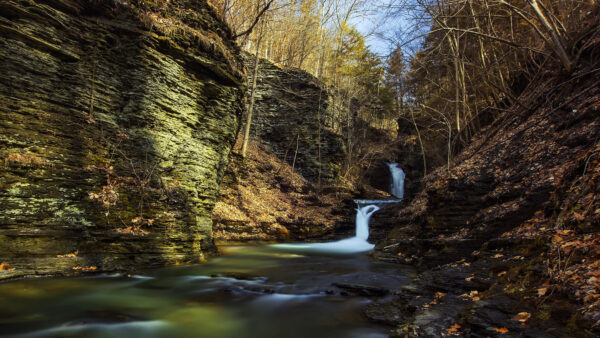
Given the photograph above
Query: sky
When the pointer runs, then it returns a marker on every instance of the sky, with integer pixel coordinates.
(383, 32)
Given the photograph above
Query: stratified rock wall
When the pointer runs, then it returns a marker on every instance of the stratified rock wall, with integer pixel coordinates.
(116, 123)
(290, 108)
(512, 228)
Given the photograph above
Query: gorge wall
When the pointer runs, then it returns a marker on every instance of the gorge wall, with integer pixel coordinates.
(513, 226)
(273, 192)
(291, 106)
(116, 123)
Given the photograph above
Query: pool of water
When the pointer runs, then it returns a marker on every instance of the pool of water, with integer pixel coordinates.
(250, 291)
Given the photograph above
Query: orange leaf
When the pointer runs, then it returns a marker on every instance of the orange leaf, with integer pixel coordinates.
(454, 328)
(542, 291)
(579, 217)
(439, 295)
(6, 267)
(501, 330)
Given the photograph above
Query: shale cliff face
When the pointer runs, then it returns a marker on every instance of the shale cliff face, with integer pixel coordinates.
(271, 193)
(513, 226)
(115, 131)
(290, 107)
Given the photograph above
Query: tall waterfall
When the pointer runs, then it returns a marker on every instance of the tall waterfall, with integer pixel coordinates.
(397, 186)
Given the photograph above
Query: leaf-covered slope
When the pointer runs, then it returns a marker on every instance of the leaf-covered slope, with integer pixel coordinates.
(526, 188)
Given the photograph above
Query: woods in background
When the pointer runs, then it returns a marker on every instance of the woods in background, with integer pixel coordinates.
(471, 62)
(476, 58)
(318, 36)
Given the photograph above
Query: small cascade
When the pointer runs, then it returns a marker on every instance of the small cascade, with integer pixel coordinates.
(364, 211)
(397, 186)
(352, 245)
(363, 215)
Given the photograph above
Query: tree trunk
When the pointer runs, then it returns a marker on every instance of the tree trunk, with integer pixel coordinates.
(253, 89)
(412, 116)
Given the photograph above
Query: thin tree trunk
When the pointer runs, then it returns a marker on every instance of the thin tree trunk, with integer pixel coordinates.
(558, 46)
(296, 152)
(412, 116)
(251, 107)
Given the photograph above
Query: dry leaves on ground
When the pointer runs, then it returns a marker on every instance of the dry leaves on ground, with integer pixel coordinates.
(6, 267)
(454, 329)
(85, 268)
(522, 317)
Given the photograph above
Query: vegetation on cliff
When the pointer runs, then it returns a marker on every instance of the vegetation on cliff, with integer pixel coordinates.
(115, 132)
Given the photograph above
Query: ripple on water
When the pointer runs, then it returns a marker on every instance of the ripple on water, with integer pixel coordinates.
(130, 329)
(260, 294)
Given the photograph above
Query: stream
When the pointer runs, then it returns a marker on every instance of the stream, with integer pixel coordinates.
(249, 291)
(292, 290)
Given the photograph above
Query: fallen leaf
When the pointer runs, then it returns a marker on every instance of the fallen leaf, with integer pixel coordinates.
(439, 295)
(579, 217)
(454, 328)
(502, 274)
(501, 330)
(6, 267)
(498, 256)
(85, 268)
(71, 255)
(542, 291)
(522, 317)
(470, 278)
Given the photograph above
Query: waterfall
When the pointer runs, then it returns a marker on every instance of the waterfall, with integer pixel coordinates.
(351, 245)
(363, 214)
(366, 209)
(397, 186)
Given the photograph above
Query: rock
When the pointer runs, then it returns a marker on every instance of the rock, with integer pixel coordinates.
(113, 137)
(362, 290)
(291, 111)
(273, 193)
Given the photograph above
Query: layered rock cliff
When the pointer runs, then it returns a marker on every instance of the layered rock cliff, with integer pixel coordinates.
(272, 193)
(290, 109)
(116, 123)
(513, 227)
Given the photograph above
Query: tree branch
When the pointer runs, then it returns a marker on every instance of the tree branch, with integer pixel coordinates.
(260, 14)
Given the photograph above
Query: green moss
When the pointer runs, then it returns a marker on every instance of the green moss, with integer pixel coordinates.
(179, 108)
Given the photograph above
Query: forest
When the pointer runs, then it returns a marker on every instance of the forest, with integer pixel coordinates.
(306, 168)
(456, 68)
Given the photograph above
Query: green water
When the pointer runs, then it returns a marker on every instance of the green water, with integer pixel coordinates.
(247, 292)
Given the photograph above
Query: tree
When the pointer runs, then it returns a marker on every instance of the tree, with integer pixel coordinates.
(252, 92)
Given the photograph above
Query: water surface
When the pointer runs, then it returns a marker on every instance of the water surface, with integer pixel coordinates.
(248, 292)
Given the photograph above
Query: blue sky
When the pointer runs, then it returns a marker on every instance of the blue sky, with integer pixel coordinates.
(384, 32)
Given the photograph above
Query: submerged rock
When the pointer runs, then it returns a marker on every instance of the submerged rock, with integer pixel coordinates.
(115, 131)
(362, 290)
